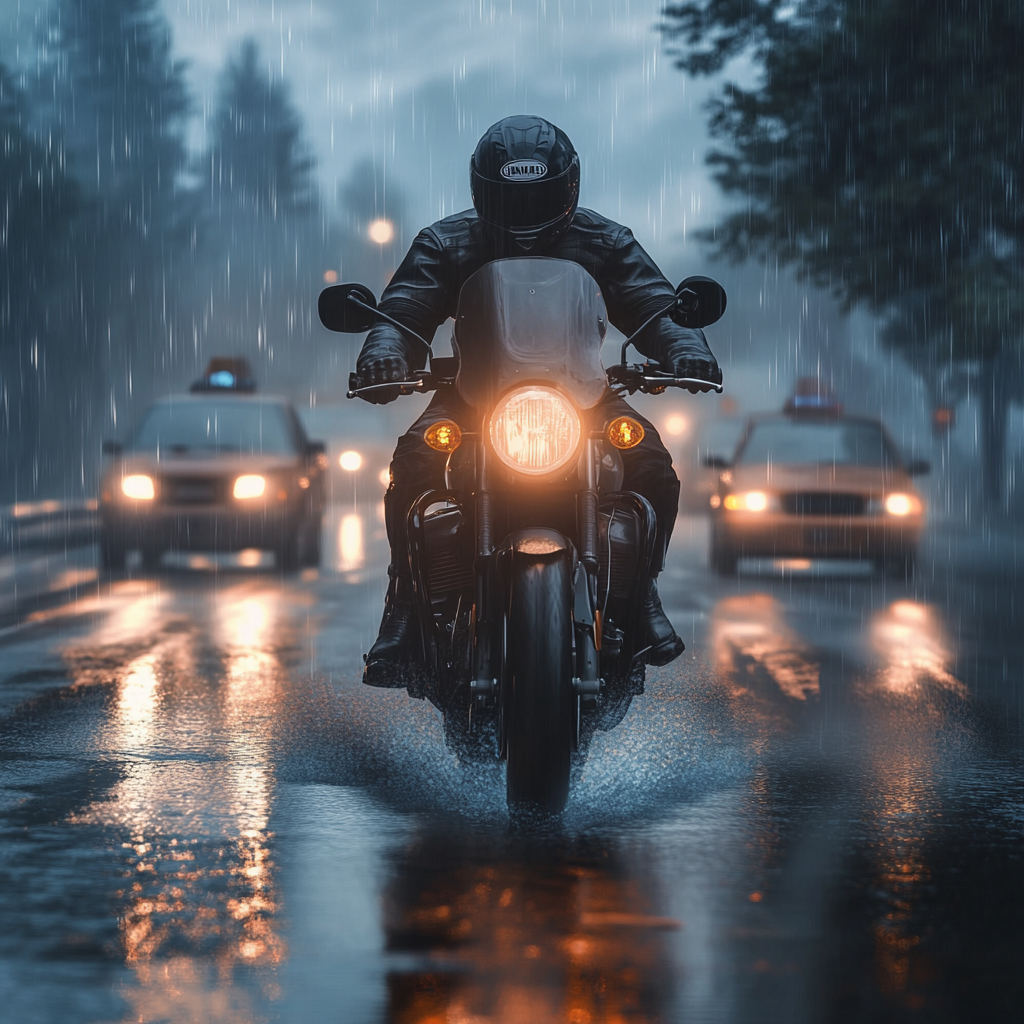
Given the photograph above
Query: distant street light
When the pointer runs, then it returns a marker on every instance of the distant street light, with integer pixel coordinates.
(330, 276)
(350, 461)
(676, 424)
(381, 231)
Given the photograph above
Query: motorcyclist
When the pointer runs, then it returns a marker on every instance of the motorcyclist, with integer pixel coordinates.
(524, 177)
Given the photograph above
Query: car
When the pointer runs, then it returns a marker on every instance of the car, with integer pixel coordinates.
(812, 482)
(221, 469)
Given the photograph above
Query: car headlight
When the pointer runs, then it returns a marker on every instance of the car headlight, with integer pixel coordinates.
(535, 430)
(751, 501)
(898, 504)
(251, 485)
(138, 487)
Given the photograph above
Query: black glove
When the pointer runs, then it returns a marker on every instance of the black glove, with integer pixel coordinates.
(381, 371)
(700, 367)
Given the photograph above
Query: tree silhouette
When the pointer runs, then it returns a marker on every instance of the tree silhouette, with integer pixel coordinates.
(880, 153)
(118, 99)
(263, 233)
(38, 201)
(258, 160)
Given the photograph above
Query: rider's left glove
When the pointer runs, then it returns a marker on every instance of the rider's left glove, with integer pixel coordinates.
(700, 368)
(381, 371)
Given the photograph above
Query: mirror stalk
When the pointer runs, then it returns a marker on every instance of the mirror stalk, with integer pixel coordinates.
(643, 327)
(376, 311)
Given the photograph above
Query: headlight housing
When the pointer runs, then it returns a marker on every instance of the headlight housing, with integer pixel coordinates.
(749, 501)
(535, 430)
(250, 485)
(138, 487)
(899, 504)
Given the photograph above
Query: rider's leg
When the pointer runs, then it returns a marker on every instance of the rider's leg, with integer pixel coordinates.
(647, 469)
(415, 468)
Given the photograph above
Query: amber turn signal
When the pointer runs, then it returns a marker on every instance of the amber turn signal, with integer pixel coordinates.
(625, 432)
(443, 436)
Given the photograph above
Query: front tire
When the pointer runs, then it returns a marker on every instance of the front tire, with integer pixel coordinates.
(539, 701)
(311, 556)
(287, 552)
(112, 553)
(723, 560)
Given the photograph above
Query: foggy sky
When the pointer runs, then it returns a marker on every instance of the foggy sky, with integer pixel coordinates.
(411, 85)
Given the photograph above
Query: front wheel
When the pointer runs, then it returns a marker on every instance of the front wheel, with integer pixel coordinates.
(112, 553)
(539, 701)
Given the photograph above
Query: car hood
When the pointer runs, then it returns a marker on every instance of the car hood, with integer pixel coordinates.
(213, 465)
(866, 480)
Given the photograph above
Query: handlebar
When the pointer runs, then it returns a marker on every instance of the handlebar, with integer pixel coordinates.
(629, 378)
(622, 378)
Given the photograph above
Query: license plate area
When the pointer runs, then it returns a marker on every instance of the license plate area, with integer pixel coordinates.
(825, 536)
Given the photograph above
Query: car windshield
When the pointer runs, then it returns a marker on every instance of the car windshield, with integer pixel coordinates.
(235, 425)
(842, 443)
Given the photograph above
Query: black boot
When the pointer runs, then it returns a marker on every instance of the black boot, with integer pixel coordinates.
(661, 640)
(389, 660)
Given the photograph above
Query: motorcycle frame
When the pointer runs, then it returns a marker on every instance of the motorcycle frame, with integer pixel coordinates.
(486, 618)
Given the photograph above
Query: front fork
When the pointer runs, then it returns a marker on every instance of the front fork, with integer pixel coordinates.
(586, 681)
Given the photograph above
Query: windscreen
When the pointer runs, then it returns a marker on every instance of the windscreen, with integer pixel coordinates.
(840, 443)
(530, 320)
(215, 426)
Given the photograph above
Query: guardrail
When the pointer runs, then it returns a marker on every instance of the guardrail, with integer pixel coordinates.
(48, 524)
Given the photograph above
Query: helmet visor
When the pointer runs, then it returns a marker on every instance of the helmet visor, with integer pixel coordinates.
(523, 205)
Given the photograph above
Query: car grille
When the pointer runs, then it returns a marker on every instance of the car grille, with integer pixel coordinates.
(192, 490)
(823, 503)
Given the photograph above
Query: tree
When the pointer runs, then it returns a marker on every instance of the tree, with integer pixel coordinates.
(118, 99)
(263, 233)
(38, 202)
(258, 160)
(880, 153)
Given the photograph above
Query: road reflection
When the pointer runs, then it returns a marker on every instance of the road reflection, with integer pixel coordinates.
(751, 638)
(523, 936)
(191, 723)
(351, 553)
(911, 750)
(909, 638)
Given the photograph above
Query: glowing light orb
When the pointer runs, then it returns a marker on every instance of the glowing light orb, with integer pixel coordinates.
(676, 425)
(381, 231)
(350, 461)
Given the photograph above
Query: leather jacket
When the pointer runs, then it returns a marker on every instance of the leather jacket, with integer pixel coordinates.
(424, 291)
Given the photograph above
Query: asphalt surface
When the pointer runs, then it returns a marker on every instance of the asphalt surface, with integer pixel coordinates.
(816, 814)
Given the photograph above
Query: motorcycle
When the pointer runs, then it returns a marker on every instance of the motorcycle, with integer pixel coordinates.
(527, 567)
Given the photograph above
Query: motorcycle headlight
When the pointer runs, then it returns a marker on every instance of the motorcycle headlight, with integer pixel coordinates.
(535, 430)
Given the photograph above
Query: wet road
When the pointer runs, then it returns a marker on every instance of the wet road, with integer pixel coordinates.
(816, 815)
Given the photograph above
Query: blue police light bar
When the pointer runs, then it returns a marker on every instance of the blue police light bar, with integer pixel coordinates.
(226, 374)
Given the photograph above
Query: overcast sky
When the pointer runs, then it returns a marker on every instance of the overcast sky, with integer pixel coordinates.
(413, 83)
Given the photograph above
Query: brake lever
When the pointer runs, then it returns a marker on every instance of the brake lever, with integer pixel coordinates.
(406, 387)
(684, 382)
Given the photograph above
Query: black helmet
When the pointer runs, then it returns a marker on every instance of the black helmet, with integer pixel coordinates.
(525, 180)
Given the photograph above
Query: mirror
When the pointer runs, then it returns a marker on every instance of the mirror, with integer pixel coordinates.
(339, 313)
(445, 367)
(112, 447)
(918, 467)
(716, 462)
(699, 301)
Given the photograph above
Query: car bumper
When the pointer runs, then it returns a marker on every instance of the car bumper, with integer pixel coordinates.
(815, 536)
(222, 530)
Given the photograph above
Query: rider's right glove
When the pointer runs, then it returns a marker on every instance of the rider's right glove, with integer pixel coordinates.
(381, 371)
